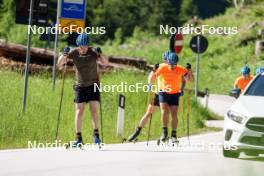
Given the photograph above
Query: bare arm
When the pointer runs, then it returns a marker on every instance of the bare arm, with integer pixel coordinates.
(103, 59)
(183, 84)
(63, 59)
(189, 76)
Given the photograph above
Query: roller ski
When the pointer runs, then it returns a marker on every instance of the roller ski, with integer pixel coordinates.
(97, 140)
(164, 139)
(174, 141)
(133, 138)
(78, 144)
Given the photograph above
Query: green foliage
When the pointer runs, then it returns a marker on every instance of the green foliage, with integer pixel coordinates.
(7, 14)
(188, 10)
(226, 54)
(40, 119)
(147, 15)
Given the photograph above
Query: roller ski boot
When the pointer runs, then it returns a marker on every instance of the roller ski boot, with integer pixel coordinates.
(133, 137)
(97, 140)
(78, 144)
(174, 140)
(164, 138)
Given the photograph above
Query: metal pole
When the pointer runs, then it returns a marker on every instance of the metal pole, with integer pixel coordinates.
(28, 56)
(197, 68)
(56, 45)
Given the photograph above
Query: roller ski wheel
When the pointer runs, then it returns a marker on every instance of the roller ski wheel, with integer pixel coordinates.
(174, 142)
(162, 141)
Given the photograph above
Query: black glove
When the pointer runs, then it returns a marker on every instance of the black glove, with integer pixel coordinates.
(97, 50)
(188, 66)
(66, 50)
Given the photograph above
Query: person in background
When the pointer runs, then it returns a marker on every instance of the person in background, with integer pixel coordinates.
(243, 80)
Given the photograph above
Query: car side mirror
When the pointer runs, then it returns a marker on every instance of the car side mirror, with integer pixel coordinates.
(235, 93)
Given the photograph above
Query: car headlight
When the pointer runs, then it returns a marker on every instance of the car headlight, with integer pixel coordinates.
(239, 118)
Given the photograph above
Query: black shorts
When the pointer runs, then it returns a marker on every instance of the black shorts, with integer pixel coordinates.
(86, 94)
(170, 99)
(156, 100)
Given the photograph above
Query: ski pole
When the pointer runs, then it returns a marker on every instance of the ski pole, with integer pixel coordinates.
(61, 99)
(188, 115)
(152, 104)
(182, 112)
(101, 119)
(66, 51)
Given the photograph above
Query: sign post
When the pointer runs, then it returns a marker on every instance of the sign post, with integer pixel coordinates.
(28, 56)
(120, 115)
(56, 45)
(199, 45)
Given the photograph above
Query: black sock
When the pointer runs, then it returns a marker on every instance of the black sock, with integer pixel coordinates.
(174, 133)
(165, 130)
(96, 133)
(139, 129)
(79, 136)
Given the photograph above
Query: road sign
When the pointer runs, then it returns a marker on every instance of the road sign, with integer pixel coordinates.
(40, 12)
(120, 115)
(199, 44)
(176, 43)
(72, 14)
(74, 9)
(74, 23)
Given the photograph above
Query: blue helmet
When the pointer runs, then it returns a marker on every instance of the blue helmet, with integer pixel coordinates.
(165, 55)
(82, 40)
(245, 70)
(172, 58)
(260, 70)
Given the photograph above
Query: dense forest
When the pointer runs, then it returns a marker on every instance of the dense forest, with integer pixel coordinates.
(124, 16)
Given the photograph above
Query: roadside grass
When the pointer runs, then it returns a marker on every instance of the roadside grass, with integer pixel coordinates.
(39, 121)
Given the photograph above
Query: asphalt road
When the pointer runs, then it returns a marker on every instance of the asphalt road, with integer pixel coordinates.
(201, 155)
(132, 160)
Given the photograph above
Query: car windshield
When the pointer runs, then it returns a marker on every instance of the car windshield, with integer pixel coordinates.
(257, 87)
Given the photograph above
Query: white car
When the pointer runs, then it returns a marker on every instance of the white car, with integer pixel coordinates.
(244, 121)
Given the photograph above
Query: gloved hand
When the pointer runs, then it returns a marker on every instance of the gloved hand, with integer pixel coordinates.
(188, 66)
(149, 87)
(66, 50)
(97, 50)
(181, 93)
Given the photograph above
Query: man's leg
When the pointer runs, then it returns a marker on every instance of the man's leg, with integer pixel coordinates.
(174, 124)
(146, 116)
(93, 109)
(165, 120)
(79, 109)
(174, 112)
(142, 123)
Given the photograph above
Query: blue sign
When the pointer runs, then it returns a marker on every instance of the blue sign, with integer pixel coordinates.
(74, 9)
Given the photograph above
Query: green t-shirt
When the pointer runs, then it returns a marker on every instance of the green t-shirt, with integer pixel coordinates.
(85, 67)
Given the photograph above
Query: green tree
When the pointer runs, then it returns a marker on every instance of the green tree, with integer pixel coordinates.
(188, 10)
